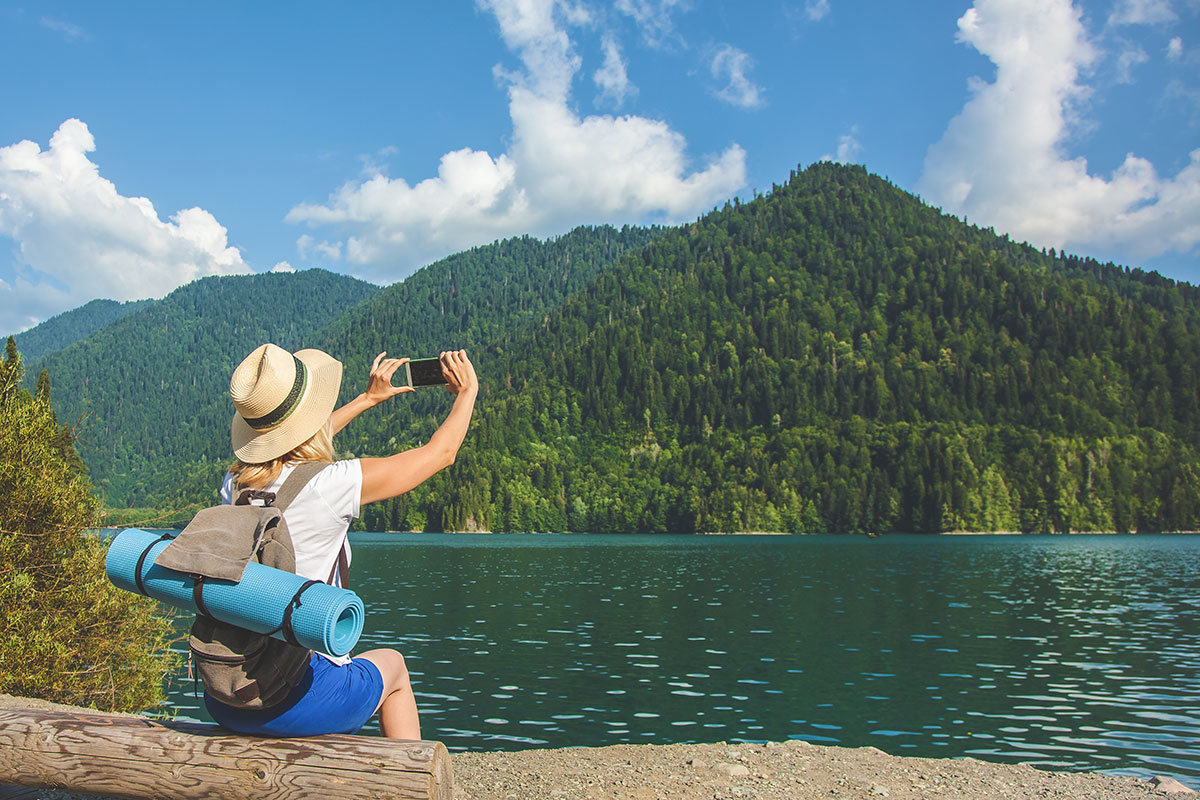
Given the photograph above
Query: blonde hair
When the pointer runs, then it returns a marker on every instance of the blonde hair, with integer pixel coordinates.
(319, 447)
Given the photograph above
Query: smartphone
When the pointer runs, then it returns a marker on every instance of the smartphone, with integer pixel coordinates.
(424, 372)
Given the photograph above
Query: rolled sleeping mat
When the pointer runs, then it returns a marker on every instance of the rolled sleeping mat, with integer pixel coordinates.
(328, 619)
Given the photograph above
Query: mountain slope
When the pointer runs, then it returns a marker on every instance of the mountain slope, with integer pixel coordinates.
(837, 356)
(154, 385)
(475, 300)
(65, 329)
(149, 391)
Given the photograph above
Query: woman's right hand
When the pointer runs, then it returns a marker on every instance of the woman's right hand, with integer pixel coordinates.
(459, 372)
(379, 385)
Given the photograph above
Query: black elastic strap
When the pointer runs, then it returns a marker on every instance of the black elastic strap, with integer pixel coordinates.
(198, 595)
(141, 562)
(286, 627)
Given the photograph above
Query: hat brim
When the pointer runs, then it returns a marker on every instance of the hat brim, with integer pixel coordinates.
(320, 396)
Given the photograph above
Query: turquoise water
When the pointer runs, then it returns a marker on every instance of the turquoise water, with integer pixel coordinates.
(1067, 652)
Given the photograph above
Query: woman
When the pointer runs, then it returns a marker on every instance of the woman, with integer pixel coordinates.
(284, 416)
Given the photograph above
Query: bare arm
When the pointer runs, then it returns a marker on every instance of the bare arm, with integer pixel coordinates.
(384, 478)
(379, 388)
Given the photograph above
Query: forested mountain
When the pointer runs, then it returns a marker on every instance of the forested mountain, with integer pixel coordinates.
(154, 386)
(149, 393)
(837, 356)
(832, 356)
(69, 327)
(478, 300)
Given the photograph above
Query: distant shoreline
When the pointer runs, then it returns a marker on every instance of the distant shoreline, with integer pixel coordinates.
(109, 529)
(790, 533)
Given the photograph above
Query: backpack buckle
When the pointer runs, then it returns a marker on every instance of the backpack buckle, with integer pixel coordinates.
(248, 496)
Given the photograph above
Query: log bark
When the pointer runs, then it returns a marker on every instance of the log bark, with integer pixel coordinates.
(141, 759)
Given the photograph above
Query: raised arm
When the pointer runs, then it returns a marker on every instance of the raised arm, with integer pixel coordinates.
(384, 478)
(379, 388)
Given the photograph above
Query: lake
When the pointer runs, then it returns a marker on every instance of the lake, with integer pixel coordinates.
(1067, 652)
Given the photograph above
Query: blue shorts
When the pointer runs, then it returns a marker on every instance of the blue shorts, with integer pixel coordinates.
(331, 698)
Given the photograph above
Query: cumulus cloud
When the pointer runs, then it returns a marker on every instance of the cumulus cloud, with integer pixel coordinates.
(77, 238)
(1175, 49)
(733, 66)
(1003, 161)
(612, 77)
(561, 169)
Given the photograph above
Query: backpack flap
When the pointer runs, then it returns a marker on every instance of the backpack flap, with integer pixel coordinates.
(220, 541)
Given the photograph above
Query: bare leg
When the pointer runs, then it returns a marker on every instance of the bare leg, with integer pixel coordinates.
(398, 706)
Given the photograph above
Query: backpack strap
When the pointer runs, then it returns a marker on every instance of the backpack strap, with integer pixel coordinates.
(286, 625)
(137, 571)
(340, 567)
(301, 475)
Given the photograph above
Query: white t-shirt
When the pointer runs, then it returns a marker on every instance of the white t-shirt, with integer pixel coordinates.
(318, 519)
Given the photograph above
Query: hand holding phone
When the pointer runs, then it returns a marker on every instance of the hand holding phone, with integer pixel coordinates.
(459, 372)
(379, 384)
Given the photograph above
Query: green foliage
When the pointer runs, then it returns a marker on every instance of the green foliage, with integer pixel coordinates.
(836, 356)
(65, 329)
(832, 356)
(66, 634)
(478, 300)
(151, 389)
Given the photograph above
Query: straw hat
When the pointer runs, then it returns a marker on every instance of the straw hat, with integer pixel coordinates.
(281, 400)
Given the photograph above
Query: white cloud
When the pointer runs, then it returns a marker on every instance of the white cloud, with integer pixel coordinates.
(816, 10)
(529, 28)
(560, 170)
(733, 65)
(78, 238)
(1175, 49)
(283, 266)
(655, 19)
(1141, 12)
(71, 31)
(611, 77)
(307, 245)
(848, 149)
(1129, 58)
(1003, 160)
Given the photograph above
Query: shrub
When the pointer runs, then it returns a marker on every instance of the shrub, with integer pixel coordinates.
(66, 633)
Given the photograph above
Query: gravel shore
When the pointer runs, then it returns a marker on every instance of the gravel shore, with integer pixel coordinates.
(792, 770)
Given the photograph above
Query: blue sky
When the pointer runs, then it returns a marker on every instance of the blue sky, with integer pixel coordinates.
(144, 145)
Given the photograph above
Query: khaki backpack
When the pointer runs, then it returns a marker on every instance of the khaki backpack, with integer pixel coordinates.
(241, 668)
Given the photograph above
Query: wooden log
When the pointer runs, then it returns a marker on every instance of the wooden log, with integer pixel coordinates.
(130, 757)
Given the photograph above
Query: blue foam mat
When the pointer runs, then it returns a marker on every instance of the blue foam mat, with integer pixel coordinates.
(329, 619)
